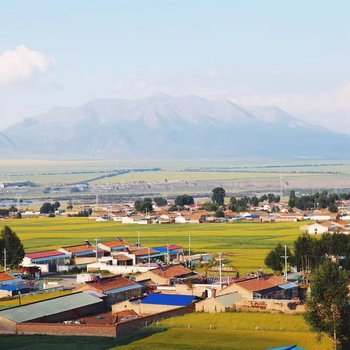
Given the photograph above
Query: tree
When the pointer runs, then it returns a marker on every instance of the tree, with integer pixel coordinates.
(292, 199)
(218, 196)
(333, 208)
(56, 205)
(143, 205)
(274, 259)
(209, 206)
(160, 201)
(328, 310)
(47, 208)
(254, 201)
(13, 209)
(184, 200)
(13, 245)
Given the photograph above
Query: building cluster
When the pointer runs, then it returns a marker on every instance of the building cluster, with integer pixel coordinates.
(144, 284)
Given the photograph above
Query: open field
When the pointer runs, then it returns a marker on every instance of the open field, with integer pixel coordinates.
(236, 331)
(245, 244)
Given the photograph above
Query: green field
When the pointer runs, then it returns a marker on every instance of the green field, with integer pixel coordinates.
(245, 244)
(235, 331)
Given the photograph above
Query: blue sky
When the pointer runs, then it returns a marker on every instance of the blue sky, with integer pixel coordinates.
(294, 54)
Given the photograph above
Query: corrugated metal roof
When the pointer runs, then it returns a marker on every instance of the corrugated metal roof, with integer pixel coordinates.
(289, 285)
(49, 307)
(169, 299)
(229, 299)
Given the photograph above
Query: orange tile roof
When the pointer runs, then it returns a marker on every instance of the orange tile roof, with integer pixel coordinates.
(79, 248)
(172, 271)
(109, 283)
(256, 285)
(113, 244)
(4, 276)
(141, 251)
(121, 257)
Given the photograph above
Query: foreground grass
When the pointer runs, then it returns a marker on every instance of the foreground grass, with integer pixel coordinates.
(238, 331)
(32, 299)
(245, 244)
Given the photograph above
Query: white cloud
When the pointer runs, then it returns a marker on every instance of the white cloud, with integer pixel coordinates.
(22, 64)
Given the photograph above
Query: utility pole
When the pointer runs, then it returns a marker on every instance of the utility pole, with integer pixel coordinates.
(149, 257)
(5, 259)
(220, 272)
(285, 262)
(138, 240)
(96, 242)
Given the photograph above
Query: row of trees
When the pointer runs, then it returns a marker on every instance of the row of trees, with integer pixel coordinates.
(310, 252)
(319, 200)
(48, 208)
(328, 260)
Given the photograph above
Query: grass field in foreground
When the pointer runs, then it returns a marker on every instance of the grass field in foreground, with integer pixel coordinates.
(245, 244)
(236, 331)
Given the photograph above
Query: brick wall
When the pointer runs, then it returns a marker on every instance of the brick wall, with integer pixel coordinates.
(125, 327)
(66, 329)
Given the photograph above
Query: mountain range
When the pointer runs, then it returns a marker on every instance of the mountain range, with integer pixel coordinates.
(169, 127)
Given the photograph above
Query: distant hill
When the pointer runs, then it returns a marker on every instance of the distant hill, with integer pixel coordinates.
(169, 127)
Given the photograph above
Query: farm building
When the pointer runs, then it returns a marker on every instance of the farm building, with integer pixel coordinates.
(111, 247)
(221, 303)
(156, 303)
(115, 288)
(48, 261)
(53, 310)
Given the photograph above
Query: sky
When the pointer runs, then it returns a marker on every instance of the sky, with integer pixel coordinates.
(292, 54)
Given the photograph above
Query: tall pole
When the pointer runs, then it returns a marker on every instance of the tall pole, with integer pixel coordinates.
(149, 257)
(138, 239)
(96, 242)
(285, 262)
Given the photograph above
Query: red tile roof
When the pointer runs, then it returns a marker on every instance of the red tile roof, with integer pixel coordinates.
(141, 251)
(256, 285)
(79, 248)
(113, 244)
(172, 271)
(4, 276)
(174, 247)
(109, 283)
(44, 254)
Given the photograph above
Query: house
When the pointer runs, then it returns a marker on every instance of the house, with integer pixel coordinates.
(319, 228)
(48, 261)
(220, 303)
(111, 247)
(144, 254)
(115, 288)
(156, 303)
(167, 275)
(6, 279)
(172, 251)
(85, 250)
(266, 287)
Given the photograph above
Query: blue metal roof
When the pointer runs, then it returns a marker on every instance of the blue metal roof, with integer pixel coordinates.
(164, 250)
(289, 285)
(291, 347)
(169, 299)
(12, 287)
